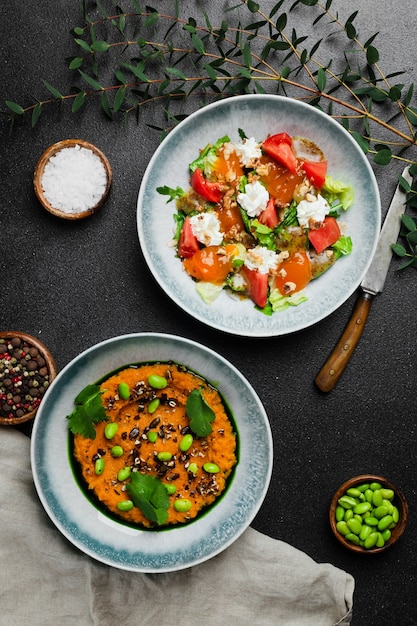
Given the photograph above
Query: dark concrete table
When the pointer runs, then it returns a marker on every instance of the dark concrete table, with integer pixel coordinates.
(75, 284)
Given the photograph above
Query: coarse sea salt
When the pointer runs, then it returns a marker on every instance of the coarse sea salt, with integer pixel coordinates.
(74, 179)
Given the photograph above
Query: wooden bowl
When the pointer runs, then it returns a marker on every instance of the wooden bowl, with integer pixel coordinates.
(399, 501)
(32, 342)
(40, 169)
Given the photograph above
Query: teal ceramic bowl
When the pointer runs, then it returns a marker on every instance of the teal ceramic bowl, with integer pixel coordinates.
(115, 543)
(257, 116)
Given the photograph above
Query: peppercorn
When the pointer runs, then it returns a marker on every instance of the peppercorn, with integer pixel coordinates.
(24, 377)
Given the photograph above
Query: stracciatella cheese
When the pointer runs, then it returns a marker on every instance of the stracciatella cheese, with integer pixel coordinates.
(74, 179)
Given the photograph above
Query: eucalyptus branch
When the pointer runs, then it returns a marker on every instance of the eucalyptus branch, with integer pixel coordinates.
(175, 59)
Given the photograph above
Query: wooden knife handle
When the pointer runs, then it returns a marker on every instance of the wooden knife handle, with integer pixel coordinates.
(335, 365)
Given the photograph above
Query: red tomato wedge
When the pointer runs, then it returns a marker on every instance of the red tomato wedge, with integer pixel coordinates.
(316, 172)
(258, 286)
(279, 147)
(188, 243)
(269, 217)
(325, 236)
(209, 191)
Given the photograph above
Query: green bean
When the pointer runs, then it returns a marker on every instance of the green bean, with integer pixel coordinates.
(125, 505)
(171, 488)
(362, 508)
(182, 505)
(153, 405)
(110, 430)
(124, 391)
(347, 502)
(342, 528)
(152, 436)
(186, 442)
(340, 513)
(124, 473)
(385, 522)
(354, 526)
(116, 451)
(157, 382)
(164, 456)
(99, 466)
(211, 468)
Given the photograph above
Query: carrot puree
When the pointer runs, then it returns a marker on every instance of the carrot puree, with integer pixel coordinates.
(170, 423)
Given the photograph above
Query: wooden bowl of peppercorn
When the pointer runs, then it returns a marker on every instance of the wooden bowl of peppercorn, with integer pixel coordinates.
(26, 370)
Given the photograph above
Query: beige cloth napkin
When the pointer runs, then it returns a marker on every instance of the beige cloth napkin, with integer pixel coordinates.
(44, 580)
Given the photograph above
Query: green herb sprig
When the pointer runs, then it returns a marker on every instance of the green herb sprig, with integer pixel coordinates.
(199, 413)
(88, 411)
(150, 496)
(130, 58)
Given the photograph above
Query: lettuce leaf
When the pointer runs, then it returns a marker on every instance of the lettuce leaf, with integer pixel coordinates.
(335, 191)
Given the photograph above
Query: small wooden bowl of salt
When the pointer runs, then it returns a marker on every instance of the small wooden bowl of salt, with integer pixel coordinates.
(72, 179)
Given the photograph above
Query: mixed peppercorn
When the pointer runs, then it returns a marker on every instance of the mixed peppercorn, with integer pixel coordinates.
(24, 377)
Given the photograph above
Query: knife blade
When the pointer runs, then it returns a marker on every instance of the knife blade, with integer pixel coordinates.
(371, 285)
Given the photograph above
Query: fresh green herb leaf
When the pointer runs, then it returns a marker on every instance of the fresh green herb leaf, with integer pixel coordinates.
(208, 156)
(88, 411)
(169, 191)
(199, 414)
(343, 246)
(150, 496)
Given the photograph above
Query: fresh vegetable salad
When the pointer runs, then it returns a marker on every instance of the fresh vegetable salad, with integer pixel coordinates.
(261, 219)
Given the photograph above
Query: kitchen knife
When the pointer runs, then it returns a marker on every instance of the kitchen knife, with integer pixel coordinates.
(371, 285)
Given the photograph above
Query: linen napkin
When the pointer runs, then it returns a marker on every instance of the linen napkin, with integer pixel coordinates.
(45, 580)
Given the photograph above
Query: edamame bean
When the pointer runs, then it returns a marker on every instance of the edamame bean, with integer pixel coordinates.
(385, 522)
(380, 541)
(352, 491)
(386, 534)
(193, 468)
(380, 511)
(395, 515)
(123, 474)
(354, 526)
(99, 466)
(340, 513)
(124, 391)
(153, 405)
(353, 538)
(348, 514)
(371, 540)
(347, 502)
(182, 505)
(157, 382)
(116, 451)
(110, 430)
(186, 442)
(171, 488)
(164, 456)
(152, 436)
(211, 468)
(362, 508)
(365, 532)
(377, 498)
(387, 494)
(369, 494)
(375, 485)
(125, 505)
(371, 521)
(342, 528)
(362, 488)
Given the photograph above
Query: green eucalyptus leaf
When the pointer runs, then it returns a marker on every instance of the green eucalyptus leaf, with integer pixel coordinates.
(383, 156)
(119, 98)
(411, 114)
(52, 90)
(35, 114)
(198, 44)
(16, 108)
(151, 19)
(363, 143)
(253, 6)
(105, 105)
(321, 79)
(79, 101)
(83, 44)
(100, 46)
(75, 63)
(91, 81)
(398, 249)
(372, 55)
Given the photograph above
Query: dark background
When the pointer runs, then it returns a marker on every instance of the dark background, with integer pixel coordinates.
(73, 284)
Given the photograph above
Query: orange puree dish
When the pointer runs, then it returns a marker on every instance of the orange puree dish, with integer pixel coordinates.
(164, 448)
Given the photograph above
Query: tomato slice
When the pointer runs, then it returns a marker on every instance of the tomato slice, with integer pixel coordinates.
(209, 191)
(258, 286)
(269, 217)
(188, 244)
(326, 235)
(279, 147)
(296, 270)
(316, 172)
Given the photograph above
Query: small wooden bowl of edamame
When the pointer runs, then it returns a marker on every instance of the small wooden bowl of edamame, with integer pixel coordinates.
(368, 514)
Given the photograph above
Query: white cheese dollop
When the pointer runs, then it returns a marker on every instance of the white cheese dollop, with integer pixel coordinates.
(248, 150)
(315, 210)
(254, 200)
(261, 259)
(206, 228)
